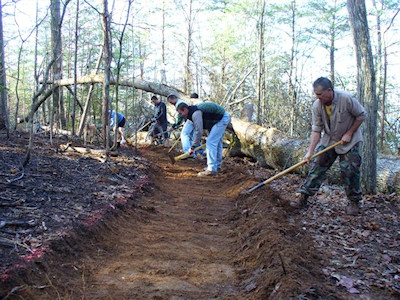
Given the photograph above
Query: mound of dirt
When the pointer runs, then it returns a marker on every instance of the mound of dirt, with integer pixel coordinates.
(152, 230)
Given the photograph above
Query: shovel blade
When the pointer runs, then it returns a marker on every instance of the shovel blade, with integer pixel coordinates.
(171, 158)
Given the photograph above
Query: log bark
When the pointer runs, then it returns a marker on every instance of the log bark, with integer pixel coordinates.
(274, 149)
(152, 87)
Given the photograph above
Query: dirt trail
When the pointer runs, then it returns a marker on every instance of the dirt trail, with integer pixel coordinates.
(186, 238)
(183, 250)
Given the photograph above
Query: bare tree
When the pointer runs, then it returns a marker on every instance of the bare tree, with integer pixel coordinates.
(75, 67)
(292, 77)
(188, 75)
(329, 26)
(366, 88)
(89, 96)
(105, 22)
(35, 63)
(41, 91)
(261, 65)
(120, 41)
(19, 60)
(58, 106)
(382, 65)
(4, 121)
(163, 71)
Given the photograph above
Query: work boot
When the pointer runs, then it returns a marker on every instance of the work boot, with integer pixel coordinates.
(353, 208)
(300, 202)
(207, 173)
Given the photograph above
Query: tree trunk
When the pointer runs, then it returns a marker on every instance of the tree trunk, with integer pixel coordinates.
(292, 72)
(4, 121)
(58, 111)
(260, 64)
(73, 117)
(105, 21)
(366, 91)
(188, 75)
(142, 56)
(17, 86)
(35, 103)
(163, 42)
(88, 98)
(35, 64)
(332, 45)
(120, 42)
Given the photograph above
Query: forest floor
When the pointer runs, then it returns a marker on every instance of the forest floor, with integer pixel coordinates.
(139, 227)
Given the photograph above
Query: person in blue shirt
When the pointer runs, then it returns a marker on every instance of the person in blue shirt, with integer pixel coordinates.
(120, 124)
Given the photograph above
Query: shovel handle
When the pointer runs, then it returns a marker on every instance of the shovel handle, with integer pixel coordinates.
(187, 154)
(176, 142)
(293, 167)
(141, 128)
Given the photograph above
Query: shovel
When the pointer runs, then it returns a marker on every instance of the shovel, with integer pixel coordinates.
(184, 155)
(269, 180)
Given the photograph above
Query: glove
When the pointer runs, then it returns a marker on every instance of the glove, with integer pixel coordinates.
(153, 120)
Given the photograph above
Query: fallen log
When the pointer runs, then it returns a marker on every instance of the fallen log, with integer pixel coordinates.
(274, 149)
(56, 130)
(148, 86)
(98, 154)
(270, 147)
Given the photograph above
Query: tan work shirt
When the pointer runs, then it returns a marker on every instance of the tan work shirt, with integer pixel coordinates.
(345, 110)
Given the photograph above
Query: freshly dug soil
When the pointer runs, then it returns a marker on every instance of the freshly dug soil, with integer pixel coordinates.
(139, 227)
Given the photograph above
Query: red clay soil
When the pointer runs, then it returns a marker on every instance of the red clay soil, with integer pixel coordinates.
(173, 235)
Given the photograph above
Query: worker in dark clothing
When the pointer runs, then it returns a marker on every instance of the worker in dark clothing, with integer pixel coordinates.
(160, 123)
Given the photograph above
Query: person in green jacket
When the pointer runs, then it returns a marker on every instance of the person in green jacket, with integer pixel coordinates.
(215, 119)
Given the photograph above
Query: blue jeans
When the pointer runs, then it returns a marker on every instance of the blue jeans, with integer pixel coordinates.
(214, 144)
(187, 136)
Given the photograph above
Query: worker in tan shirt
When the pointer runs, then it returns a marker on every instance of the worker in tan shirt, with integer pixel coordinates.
(337, 116)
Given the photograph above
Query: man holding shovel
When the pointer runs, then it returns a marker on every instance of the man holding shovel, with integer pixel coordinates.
(215, 119)
(339, 115)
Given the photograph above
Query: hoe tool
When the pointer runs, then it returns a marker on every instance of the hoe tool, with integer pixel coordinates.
(184, 155)
(269, 180)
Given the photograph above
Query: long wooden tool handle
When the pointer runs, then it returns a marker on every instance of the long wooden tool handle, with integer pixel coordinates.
(187, 154)
(293, 167)
(141, 128)
(176, 142)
